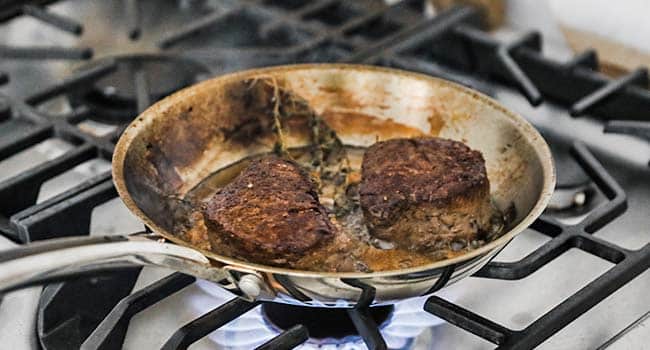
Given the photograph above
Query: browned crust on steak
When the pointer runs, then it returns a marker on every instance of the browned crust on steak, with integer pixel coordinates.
(269, 214)
(425, 193)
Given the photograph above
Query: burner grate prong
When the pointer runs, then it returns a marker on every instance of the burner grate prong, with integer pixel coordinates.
(26, 139)
(637, 77)
(367, 291)
(132, 13)
(504, 57)
(45, 52)
(4, 78)
(410, 36)
(587, 59)
(191, 28)
(430, 68)
(315, 7)
(288, 339)
(143, 97)
(532, 39)
(467, 320)
(24, 188)
(55, 20)
(528, 264)
(5, 110)
(36, 222)
(629, 127)
(75, 81)
(361, 318)
(111, 331)
(599, 247)
(367, 328)
(204, 325)
(78, 114)
(617, 203)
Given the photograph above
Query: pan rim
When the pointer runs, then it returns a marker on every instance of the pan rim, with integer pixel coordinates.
(538, 143)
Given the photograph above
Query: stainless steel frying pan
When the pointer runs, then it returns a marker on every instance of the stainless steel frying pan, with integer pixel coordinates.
(175, 144)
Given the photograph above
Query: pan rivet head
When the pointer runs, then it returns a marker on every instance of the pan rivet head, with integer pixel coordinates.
(251, 285)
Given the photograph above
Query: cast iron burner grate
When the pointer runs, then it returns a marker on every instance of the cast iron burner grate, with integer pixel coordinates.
(628, 264)
(137, 81)
(325, 30)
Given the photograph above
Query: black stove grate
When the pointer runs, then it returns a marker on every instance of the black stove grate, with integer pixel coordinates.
(628, 264)
(36, 10)
(324, 30)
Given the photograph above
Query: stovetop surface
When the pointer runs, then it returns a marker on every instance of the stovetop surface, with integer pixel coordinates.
(238, 44)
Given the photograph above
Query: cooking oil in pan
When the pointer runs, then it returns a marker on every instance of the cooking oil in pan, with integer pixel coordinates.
(375, 254)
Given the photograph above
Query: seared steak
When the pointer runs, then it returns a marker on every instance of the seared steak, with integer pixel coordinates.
(425, 193)
(269, 213)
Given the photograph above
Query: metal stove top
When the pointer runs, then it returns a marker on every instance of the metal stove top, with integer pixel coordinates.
(78, 70)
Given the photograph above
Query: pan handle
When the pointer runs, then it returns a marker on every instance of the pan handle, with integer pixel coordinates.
(61, 259)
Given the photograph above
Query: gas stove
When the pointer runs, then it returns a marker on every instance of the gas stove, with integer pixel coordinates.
(74, 73)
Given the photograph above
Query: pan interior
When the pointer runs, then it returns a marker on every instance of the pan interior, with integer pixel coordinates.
(177, 143)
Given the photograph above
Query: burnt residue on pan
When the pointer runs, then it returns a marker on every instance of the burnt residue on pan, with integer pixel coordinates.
(356, 122)
(262, 112)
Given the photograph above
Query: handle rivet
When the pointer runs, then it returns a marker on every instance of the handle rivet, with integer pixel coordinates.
(251, 285)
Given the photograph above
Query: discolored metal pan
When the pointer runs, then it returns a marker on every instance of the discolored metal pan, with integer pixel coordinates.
(176, 143)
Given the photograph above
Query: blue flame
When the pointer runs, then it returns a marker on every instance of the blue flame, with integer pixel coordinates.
(252, 329)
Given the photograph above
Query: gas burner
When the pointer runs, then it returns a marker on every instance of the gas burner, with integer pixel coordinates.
(328, 324)
(138, 81)
(330, 328)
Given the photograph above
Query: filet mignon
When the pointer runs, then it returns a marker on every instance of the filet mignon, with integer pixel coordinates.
(425, 193)
(269, 213)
